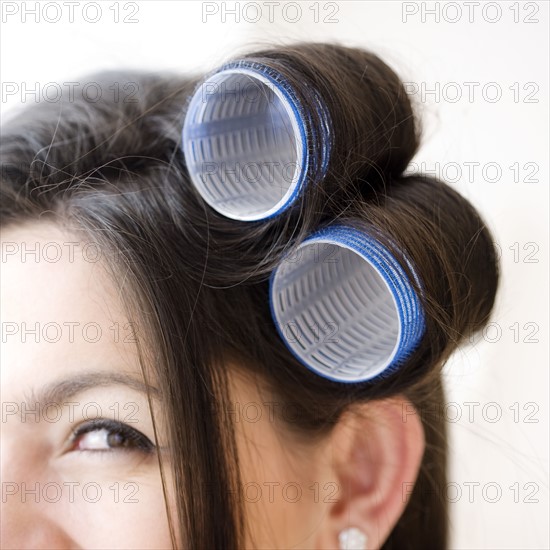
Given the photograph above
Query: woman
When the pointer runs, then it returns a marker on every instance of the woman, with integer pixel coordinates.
(149, 400)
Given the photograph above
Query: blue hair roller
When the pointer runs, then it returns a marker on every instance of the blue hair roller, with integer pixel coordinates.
(345, 307)
(250, 145)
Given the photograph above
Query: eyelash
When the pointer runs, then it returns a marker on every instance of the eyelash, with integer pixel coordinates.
(141, 442)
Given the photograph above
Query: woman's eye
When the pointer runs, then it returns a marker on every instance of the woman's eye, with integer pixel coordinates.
(109, 435)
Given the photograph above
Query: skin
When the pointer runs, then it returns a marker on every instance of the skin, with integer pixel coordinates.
(99, 490)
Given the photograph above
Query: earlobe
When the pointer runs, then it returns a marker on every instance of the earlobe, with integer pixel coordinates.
(376, 450)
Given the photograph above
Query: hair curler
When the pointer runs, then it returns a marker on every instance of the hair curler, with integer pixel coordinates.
(250, 143)
(345, 307)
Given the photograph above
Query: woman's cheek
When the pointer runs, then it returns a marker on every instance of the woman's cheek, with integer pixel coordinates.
(106, 513)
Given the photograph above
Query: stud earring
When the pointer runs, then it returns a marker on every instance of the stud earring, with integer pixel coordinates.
(352, 539)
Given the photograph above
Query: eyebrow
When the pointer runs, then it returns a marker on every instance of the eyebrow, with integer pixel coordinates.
(64, 389)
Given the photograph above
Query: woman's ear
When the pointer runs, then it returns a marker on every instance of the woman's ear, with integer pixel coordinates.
(376, 450)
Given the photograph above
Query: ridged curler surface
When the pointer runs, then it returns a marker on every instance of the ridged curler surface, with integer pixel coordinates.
(344, 306)
(244, 143)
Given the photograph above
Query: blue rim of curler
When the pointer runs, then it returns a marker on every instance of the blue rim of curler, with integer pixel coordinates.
(301, 119)
(408, 306)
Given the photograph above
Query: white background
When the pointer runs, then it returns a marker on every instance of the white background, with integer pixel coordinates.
(494, 46)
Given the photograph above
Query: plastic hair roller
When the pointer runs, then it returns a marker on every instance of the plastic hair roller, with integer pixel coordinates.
(345, 307)
(250, 144)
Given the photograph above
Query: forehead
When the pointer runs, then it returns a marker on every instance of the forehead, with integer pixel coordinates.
(60, 312)
(41, 263)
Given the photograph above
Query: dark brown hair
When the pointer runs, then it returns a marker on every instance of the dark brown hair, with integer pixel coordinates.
(113, 169)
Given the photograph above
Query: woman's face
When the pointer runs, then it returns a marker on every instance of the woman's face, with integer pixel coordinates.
(79, 465)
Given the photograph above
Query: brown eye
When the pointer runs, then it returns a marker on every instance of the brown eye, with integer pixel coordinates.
(108, 435)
